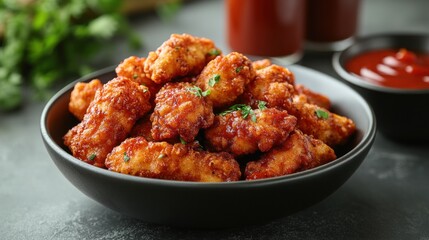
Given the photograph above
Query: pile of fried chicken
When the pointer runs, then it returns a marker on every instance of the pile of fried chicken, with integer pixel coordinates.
(188, 112)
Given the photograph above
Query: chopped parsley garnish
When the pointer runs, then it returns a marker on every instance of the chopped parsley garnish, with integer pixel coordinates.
(182, 141)
(238, 69)
(214, 52)
(135, 75)
(198, 92)
(92, 157)
(253, 116)
(245, 110)
(213, 80)
(126, 157)
(262, 105)
(321, 114)
(161, 156)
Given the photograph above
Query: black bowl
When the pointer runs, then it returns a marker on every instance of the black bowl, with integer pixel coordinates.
(402, 114)
(212, 205)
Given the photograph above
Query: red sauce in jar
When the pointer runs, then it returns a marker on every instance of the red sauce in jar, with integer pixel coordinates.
(266, 27)
(392, 68)
(331, 20)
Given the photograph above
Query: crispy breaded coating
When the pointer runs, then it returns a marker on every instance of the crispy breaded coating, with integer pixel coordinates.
(259, 64)
(142, 128)
(329, 127)
(299, 152)
(136, 156)
(276, 73)
(313, 97)
(261, 131)
(181, 55)
(109, 119)
(81, 96)
(180, 111)
(273, 85)
(226, 77)
(133, 68)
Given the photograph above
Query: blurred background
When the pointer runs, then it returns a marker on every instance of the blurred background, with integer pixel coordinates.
(46, 43)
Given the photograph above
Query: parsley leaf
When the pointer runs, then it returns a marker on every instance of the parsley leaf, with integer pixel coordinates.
(262, 105)
(213, 80)
(126, 157)
(245, 110)
(92, 156)
(321, 114)
(198, 92)
(214, 52)
(238, 69)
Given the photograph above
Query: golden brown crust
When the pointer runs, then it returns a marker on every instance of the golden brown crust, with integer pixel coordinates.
(273, 85)
(81, 96)
(180, 84)
(234, 134)
(109, 119)
(133, 69)
(136, 156)
(142, 128)
(181, 55)
(329, 127)
(259, 64)
(299, 152)
(180, 112)
(313, 97)
(226, 77)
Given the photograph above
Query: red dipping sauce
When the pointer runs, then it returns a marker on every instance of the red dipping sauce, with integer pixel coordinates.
(392, 68)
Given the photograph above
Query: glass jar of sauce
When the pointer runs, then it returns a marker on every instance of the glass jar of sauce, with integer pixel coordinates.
(392, 68)
(331, 24)
(266, 27)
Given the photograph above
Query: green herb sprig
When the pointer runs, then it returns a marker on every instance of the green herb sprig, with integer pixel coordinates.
(245, 110)
(321, 114)
(198, 92)
(47, 41)
(126, 157)
(214, 79)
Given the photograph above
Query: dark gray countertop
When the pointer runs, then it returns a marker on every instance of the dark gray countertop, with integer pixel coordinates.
(386, 198)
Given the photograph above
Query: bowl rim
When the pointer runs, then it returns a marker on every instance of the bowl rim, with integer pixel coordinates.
(367, 140)
(356, 80)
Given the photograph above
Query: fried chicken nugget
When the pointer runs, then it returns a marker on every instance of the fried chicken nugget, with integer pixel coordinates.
(239, 135)
(136, 156)
(279, 77)
(81, 96)
(226, 77)
(259, 64)
(133, 68)
(313, 97)
(329, 127)
(109, 119)
(180, 111)
(180, 55)
(273, 84)
(299, 152)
